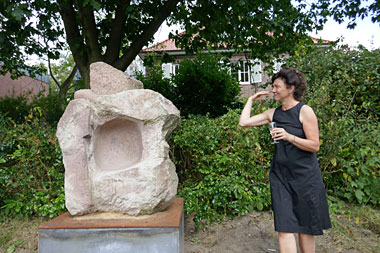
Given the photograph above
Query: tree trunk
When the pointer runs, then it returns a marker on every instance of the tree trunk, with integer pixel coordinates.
(83, 36)
(85, 73)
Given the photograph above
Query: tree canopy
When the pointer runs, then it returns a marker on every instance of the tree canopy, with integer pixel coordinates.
(115, 31)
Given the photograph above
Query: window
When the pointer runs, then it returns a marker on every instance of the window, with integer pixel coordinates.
(249, 72)
(167, 69)
(170, 69)
(175, 68)
(244, 72)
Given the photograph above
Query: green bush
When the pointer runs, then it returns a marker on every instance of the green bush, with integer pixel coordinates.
(15, 108)
(31, 170)
(344, 91)
(18, 108)
(223, 168)
(51, 109)
(203, 85)
(157, 82)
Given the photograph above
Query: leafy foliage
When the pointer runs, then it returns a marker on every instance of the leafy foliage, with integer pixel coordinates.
(115, 31)
(22, 34)
(15, 108)
(109, 31)
(51, 110)
(31, 170)
(62, 78)
(157, 82)
(203, 85)
(223, 168)
(259, 26)
(344, 93)
(18, 108)
(355, 9)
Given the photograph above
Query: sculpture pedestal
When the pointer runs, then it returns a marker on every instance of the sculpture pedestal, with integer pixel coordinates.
(160, 232)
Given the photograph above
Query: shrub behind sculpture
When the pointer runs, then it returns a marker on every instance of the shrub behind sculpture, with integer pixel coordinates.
(201, 86)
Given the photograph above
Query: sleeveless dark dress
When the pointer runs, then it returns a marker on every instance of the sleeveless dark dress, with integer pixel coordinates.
(299, 200)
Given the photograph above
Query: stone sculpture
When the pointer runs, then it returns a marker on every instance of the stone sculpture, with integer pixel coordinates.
(113, 140)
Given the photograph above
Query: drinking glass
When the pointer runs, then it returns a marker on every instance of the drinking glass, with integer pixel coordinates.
(271, 126)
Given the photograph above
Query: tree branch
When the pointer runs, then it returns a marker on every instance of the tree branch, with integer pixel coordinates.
(114, 41)
(52, 75)
(86, 15)
(123, 62)
(66, 86)
(73, 36)
(70, 78)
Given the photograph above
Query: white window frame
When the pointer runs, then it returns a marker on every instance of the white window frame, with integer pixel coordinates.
(252, 73)
(243, 71)
(170, 69)
(166, 69)
(175, 68)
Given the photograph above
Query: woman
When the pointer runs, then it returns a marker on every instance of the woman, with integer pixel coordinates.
(298, 195)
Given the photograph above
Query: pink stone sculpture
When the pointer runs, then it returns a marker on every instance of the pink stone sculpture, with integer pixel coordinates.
(114, 144)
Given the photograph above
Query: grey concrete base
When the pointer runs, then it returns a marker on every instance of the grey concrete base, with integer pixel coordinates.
(123, 239)
(111, 240)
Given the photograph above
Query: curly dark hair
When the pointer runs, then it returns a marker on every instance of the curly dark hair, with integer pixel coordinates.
(291, 76)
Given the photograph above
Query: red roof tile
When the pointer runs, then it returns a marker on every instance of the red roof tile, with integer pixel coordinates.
(315, 40)
(166, 45)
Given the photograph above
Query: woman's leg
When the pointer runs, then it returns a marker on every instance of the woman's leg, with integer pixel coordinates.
(287, 242)
(307, 243)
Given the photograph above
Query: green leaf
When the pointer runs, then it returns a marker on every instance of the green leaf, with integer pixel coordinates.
(11, 249)
(359, 195)
(259, 205)
(18, 14)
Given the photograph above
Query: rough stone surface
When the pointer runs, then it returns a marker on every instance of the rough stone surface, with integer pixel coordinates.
(113, 140)
(105, 80)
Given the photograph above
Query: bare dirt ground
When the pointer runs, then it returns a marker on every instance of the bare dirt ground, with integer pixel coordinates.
(255, 233)
(250, 233)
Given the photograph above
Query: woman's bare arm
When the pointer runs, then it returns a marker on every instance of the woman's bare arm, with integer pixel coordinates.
(257, 120)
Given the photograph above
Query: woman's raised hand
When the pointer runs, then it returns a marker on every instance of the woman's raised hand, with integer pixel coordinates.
(259, 96)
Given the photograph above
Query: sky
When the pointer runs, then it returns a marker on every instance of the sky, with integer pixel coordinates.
(365, 33)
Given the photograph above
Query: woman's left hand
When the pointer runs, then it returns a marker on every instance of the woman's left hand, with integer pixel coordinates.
(280, 134)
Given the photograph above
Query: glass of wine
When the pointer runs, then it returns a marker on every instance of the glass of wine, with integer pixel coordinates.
(271, 126)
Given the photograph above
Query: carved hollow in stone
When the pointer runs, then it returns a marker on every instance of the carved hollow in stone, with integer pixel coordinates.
(114, 146)
(118, 144)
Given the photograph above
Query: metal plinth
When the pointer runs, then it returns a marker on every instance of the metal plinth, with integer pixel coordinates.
(160, 232)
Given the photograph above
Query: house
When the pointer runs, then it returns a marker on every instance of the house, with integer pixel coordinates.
(250, 73)
(23, 86)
